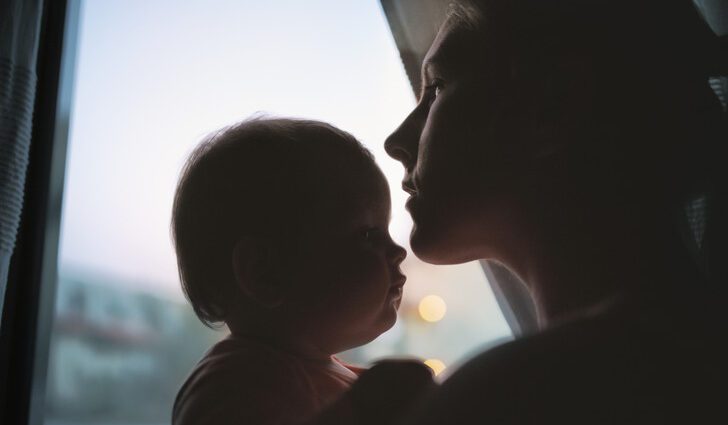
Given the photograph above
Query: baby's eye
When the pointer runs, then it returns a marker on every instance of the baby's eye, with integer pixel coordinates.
(371, 234)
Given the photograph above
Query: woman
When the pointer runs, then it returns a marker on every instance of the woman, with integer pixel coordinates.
(562, 138)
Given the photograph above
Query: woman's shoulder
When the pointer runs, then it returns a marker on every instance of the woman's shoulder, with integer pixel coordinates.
(635, 342)
(607, 368)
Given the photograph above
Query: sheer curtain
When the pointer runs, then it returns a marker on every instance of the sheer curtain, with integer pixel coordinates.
(20, 22)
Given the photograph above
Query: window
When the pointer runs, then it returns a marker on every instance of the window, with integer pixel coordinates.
(152, 79)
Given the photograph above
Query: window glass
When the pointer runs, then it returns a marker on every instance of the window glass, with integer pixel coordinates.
(153, 78)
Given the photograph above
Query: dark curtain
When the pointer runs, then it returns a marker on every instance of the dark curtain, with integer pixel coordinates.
(20, 22)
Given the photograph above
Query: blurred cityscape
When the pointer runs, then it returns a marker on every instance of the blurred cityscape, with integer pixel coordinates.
(118, 355)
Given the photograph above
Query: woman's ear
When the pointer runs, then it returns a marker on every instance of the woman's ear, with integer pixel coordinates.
(564, 94)
(254, 267)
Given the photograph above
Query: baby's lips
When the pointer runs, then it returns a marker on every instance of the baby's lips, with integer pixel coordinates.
(399, 280)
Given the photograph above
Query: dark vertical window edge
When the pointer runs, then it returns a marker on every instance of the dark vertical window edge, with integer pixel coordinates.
(27, 317)
(410, 59)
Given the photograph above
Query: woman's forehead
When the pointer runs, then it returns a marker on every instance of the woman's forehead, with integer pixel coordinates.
(455, 47)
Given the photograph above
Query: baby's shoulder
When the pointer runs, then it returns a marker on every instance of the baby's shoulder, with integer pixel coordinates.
(243, 380)
(246, 365)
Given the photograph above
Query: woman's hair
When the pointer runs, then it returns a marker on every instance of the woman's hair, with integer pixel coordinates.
(253, 179)
(646, 63)
(627, 83)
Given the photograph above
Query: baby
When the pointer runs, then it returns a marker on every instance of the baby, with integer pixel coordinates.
(281, 232)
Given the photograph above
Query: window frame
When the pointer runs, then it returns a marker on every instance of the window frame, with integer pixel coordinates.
(27, 314)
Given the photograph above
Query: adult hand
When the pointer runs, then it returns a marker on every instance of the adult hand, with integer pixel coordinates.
(388, 390)
(382, 395)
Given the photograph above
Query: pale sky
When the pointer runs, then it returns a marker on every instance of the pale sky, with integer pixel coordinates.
(155, 76)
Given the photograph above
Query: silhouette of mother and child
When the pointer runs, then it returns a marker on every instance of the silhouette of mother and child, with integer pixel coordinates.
(562, 139)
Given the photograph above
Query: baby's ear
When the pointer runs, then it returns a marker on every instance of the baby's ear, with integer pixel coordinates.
(254, 265)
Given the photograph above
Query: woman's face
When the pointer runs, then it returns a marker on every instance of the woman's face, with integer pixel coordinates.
(459, 172)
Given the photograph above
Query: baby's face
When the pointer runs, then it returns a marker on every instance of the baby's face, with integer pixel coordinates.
(348, 274)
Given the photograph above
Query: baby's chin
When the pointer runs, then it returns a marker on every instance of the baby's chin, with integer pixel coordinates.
(383, 325)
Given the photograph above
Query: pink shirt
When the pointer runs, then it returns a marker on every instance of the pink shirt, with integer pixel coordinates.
(242, 381)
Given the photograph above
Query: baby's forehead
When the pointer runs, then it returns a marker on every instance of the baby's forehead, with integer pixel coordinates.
(355, 190)
(349, 195)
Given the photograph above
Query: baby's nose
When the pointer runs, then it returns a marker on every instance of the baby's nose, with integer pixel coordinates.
(398, 254)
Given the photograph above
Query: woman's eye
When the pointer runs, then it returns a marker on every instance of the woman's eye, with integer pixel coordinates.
(434, 88)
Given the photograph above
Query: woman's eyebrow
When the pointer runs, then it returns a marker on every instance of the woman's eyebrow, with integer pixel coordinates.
(427, 68)
(426, 75)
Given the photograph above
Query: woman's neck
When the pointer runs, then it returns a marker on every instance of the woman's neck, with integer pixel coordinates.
(578, 259)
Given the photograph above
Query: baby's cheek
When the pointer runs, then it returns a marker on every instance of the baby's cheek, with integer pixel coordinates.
(363, 280)
(371, 273)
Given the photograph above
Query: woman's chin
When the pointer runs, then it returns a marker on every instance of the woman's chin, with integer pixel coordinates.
(437, 247)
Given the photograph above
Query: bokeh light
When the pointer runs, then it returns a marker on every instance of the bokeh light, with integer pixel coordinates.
(432, 308)
(436, 365)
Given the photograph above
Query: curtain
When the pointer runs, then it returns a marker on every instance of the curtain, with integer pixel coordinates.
(20, 22)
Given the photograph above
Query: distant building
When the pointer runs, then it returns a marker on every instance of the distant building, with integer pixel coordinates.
(118, 353)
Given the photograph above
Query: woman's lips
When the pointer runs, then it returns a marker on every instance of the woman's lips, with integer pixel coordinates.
(409, 187)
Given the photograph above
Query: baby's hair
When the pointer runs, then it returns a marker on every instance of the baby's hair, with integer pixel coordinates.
(250, 179)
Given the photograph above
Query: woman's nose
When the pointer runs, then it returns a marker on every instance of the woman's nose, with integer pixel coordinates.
(395, 149)
(402, 143)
